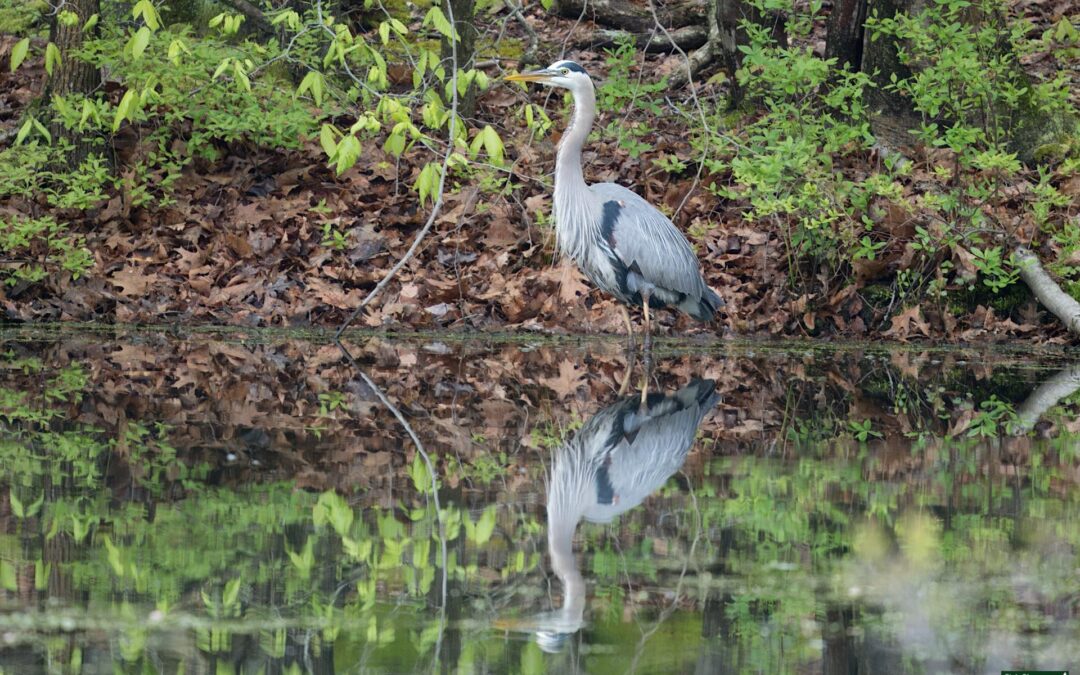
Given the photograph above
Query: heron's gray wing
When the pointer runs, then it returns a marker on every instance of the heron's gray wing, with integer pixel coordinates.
(647, 447)
(647, 242)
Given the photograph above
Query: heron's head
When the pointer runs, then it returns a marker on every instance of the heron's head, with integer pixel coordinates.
(565, 74)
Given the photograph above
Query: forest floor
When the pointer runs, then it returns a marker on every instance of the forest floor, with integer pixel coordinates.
(244, 241)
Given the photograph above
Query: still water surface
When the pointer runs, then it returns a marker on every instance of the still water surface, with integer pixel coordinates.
(247, 503)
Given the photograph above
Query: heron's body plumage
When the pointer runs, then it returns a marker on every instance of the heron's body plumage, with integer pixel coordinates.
(621, 242)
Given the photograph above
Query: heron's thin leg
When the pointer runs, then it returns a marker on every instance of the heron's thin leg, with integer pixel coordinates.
(631, 358)
(646, 348)
(629, 327)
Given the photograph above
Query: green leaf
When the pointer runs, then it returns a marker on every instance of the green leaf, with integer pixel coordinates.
(485, 527)
(231, 593)
(384, 32)
(493, 145)
(91, 22)
(436, 18)
(123, 111)
(326, 139)
(146, 9)
(139, 42)
(241, 76)
(418, 471)
(41, 574)
(80, 528)
(358, 550)
(395, 142)
(24, 130)
(427, 183)
(42, 130)
(18, 52)
(16, 505)
(313, 82)
(8, 580)
(176, 48)
(114, 557)
(52, 57)
(36, 505)
(348, 151)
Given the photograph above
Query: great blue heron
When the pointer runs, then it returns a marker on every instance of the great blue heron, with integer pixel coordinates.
(622, 243)
(620, 456)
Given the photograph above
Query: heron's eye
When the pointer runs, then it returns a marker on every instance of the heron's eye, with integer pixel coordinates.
(564, 71)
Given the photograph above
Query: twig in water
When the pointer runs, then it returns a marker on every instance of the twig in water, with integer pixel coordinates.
(434, 495)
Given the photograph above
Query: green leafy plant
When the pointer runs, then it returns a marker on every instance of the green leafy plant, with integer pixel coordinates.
(34, 248)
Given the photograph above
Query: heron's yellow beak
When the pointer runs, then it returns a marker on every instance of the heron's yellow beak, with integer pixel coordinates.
(534, 76)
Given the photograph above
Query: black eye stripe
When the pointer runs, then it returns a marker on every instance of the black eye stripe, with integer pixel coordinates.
(569, 65)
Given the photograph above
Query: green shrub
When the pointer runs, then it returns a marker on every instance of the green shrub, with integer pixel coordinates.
(34, 248)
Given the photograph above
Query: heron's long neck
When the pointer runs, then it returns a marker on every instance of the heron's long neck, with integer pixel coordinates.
(563, 563)
(575, 209)
(568, 162)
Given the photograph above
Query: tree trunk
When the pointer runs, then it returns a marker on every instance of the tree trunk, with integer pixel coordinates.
(730, 14)
(891, 113)
(1028, 127)
(465, 49)
(72, 76)
(844, 39)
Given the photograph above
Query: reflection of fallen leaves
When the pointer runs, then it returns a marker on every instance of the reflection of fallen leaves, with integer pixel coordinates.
(569, 379)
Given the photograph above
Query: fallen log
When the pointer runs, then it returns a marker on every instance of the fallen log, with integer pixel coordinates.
(634, 18)
(1046, 290)
(688, 37)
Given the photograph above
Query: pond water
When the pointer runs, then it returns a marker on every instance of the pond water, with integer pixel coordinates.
(248, 503)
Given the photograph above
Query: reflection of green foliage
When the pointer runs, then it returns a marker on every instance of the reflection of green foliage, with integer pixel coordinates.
(776, 544)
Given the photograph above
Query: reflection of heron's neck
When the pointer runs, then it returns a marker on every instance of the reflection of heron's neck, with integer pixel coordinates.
(564, 564)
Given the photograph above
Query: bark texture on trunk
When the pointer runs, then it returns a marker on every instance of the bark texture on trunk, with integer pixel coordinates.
(891, 113)
(844, 38)
(72, 76)
(465, 50)
(730, 14)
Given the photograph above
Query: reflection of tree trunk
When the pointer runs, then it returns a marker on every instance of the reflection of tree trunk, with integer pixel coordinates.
(463, 12)
(72, 76)
(845, 32)
(718, 635)
(1046, 396)
(838, 655)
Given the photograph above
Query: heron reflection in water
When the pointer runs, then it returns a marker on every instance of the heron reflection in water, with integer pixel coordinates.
(620, 456)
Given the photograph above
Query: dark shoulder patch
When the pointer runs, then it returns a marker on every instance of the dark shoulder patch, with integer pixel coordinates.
(607, 223)
(605, 491)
